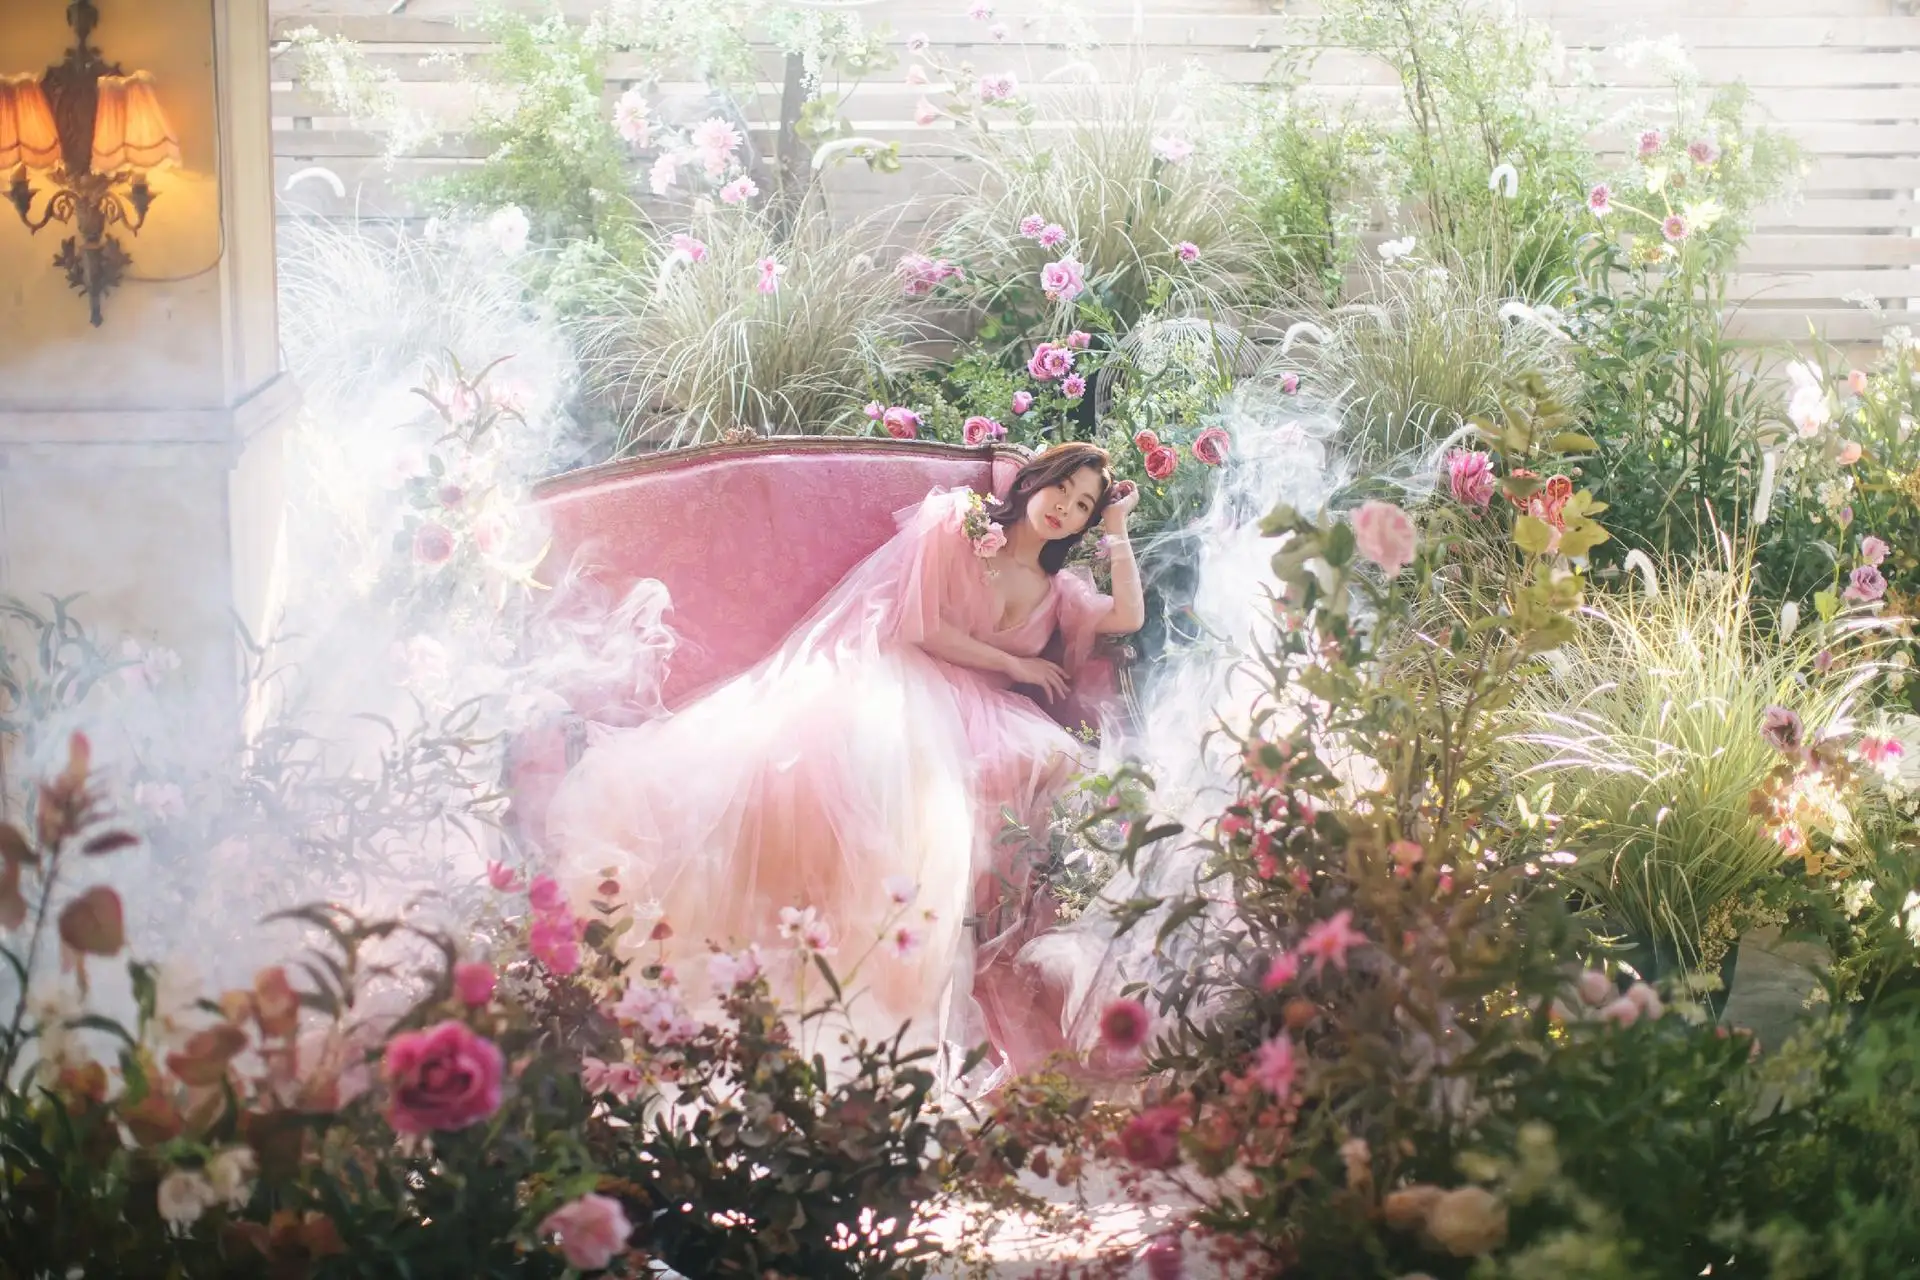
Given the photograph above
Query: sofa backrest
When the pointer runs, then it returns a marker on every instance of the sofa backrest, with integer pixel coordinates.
(746, 538)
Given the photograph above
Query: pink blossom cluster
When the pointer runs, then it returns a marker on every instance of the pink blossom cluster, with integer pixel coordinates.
(1160, 460)
(920, 275)
(1050, 362)
(554, 936)
(997, 88)
(809, 934)
(1048, 235)
(657, 1013)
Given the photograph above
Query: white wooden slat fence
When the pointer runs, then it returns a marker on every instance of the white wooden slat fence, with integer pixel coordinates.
(1841, 76)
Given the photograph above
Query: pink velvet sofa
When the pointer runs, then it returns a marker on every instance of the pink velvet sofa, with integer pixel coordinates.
(746, 538)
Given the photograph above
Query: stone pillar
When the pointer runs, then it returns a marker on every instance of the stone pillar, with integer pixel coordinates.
(140, 461)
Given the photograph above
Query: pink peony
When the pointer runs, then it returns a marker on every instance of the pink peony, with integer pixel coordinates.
(1857, 382)
(1873, 550)
(1079, 340)
(1032, 225)
(1328, 941)
(978, 430)
(433, 544)
(1781, 727)
(443, 1078)
(1161, 462)
(473, 982)
(1289, 383)
(1050, 361)
(997, 88)
(687, 249)
(1384, 534)
(925, 113)
(1281, 970)
(1052, 236)
(1651, 140)
(1600, 200)
(1172, 150)
(1152, 1138)
(1595, 988)
(545, 895)
(1124, 1026)
(739, 191)
(770, 273)
(1022, 402)
(1470, 476)
(1187, 251)
(1073, 386)
(1211, 446)
(1702, 151)
(1865, 585)
(591, 1231)
(901, 423)
(1063, 281)
(1273, 1066)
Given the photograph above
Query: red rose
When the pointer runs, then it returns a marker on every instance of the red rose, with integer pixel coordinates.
(1161, 461)
(445, 1077)
(1211, 446)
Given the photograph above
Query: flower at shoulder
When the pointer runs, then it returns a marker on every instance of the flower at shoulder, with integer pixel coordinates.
(986, 535)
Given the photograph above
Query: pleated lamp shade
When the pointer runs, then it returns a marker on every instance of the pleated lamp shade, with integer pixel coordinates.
(27, 132)
(130, 131)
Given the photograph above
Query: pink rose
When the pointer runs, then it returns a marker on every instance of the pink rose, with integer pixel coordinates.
(592, 1231)
(1079, 339)
(1145, 440)
(1384, 534)
(1865, 585)
(1050, 362)
(1470, 476)
(875, 410)
(473, 982)
(1187, 251)
(433, 544)
(1063, 281)
(901, 423)
(443, 1078)
(1211, 446)
(991, 541)
(1074, 386)
(1873, 550)
(980, 430)
(1161, 462)
(1022, 402)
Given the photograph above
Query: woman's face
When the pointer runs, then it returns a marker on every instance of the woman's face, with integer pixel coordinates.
(1062, 510)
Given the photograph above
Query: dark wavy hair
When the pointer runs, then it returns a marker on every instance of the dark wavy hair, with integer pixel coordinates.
(1051, 468)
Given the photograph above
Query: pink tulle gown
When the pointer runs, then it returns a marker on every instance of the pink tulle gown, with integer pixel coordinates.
(848, 760)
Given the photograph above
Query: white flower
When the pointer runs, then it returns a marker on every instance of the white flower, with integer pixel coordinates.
(794, 920)
(1910, 910)
(1505, 179)
(630, 117)
(817, 937)
(182, 1198)
(1809, 411)
(1702, 216)
(904, 940)
(1393, 250)
(230, 1175)
(902, 889)
(1855, 897)
(728, 971)
(508, 229)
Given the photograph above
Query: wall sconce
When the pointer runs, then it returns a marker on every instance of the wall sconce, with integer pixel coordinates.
(90, 128)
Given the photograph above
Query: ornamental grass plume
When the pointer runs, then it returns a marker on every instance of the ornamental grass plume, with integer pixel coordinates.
(1087, 166)
(686, 351)
(1651, 725)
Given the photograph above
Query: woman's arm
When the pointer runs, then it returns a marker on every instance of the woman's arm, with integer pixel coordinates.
(1129, 612)
(951, 644)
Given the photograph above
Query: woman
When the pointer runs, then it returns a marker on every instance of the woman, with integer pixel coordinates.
(869, 768)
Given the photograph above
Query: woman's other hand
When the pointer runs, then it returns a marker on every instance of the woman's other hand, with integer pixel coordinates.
(1125, 497)
(1039, 674)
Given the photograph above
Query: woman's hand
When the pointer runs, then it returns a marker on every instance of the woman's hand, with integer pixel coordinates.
(1040, 674)
(1120, 504)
